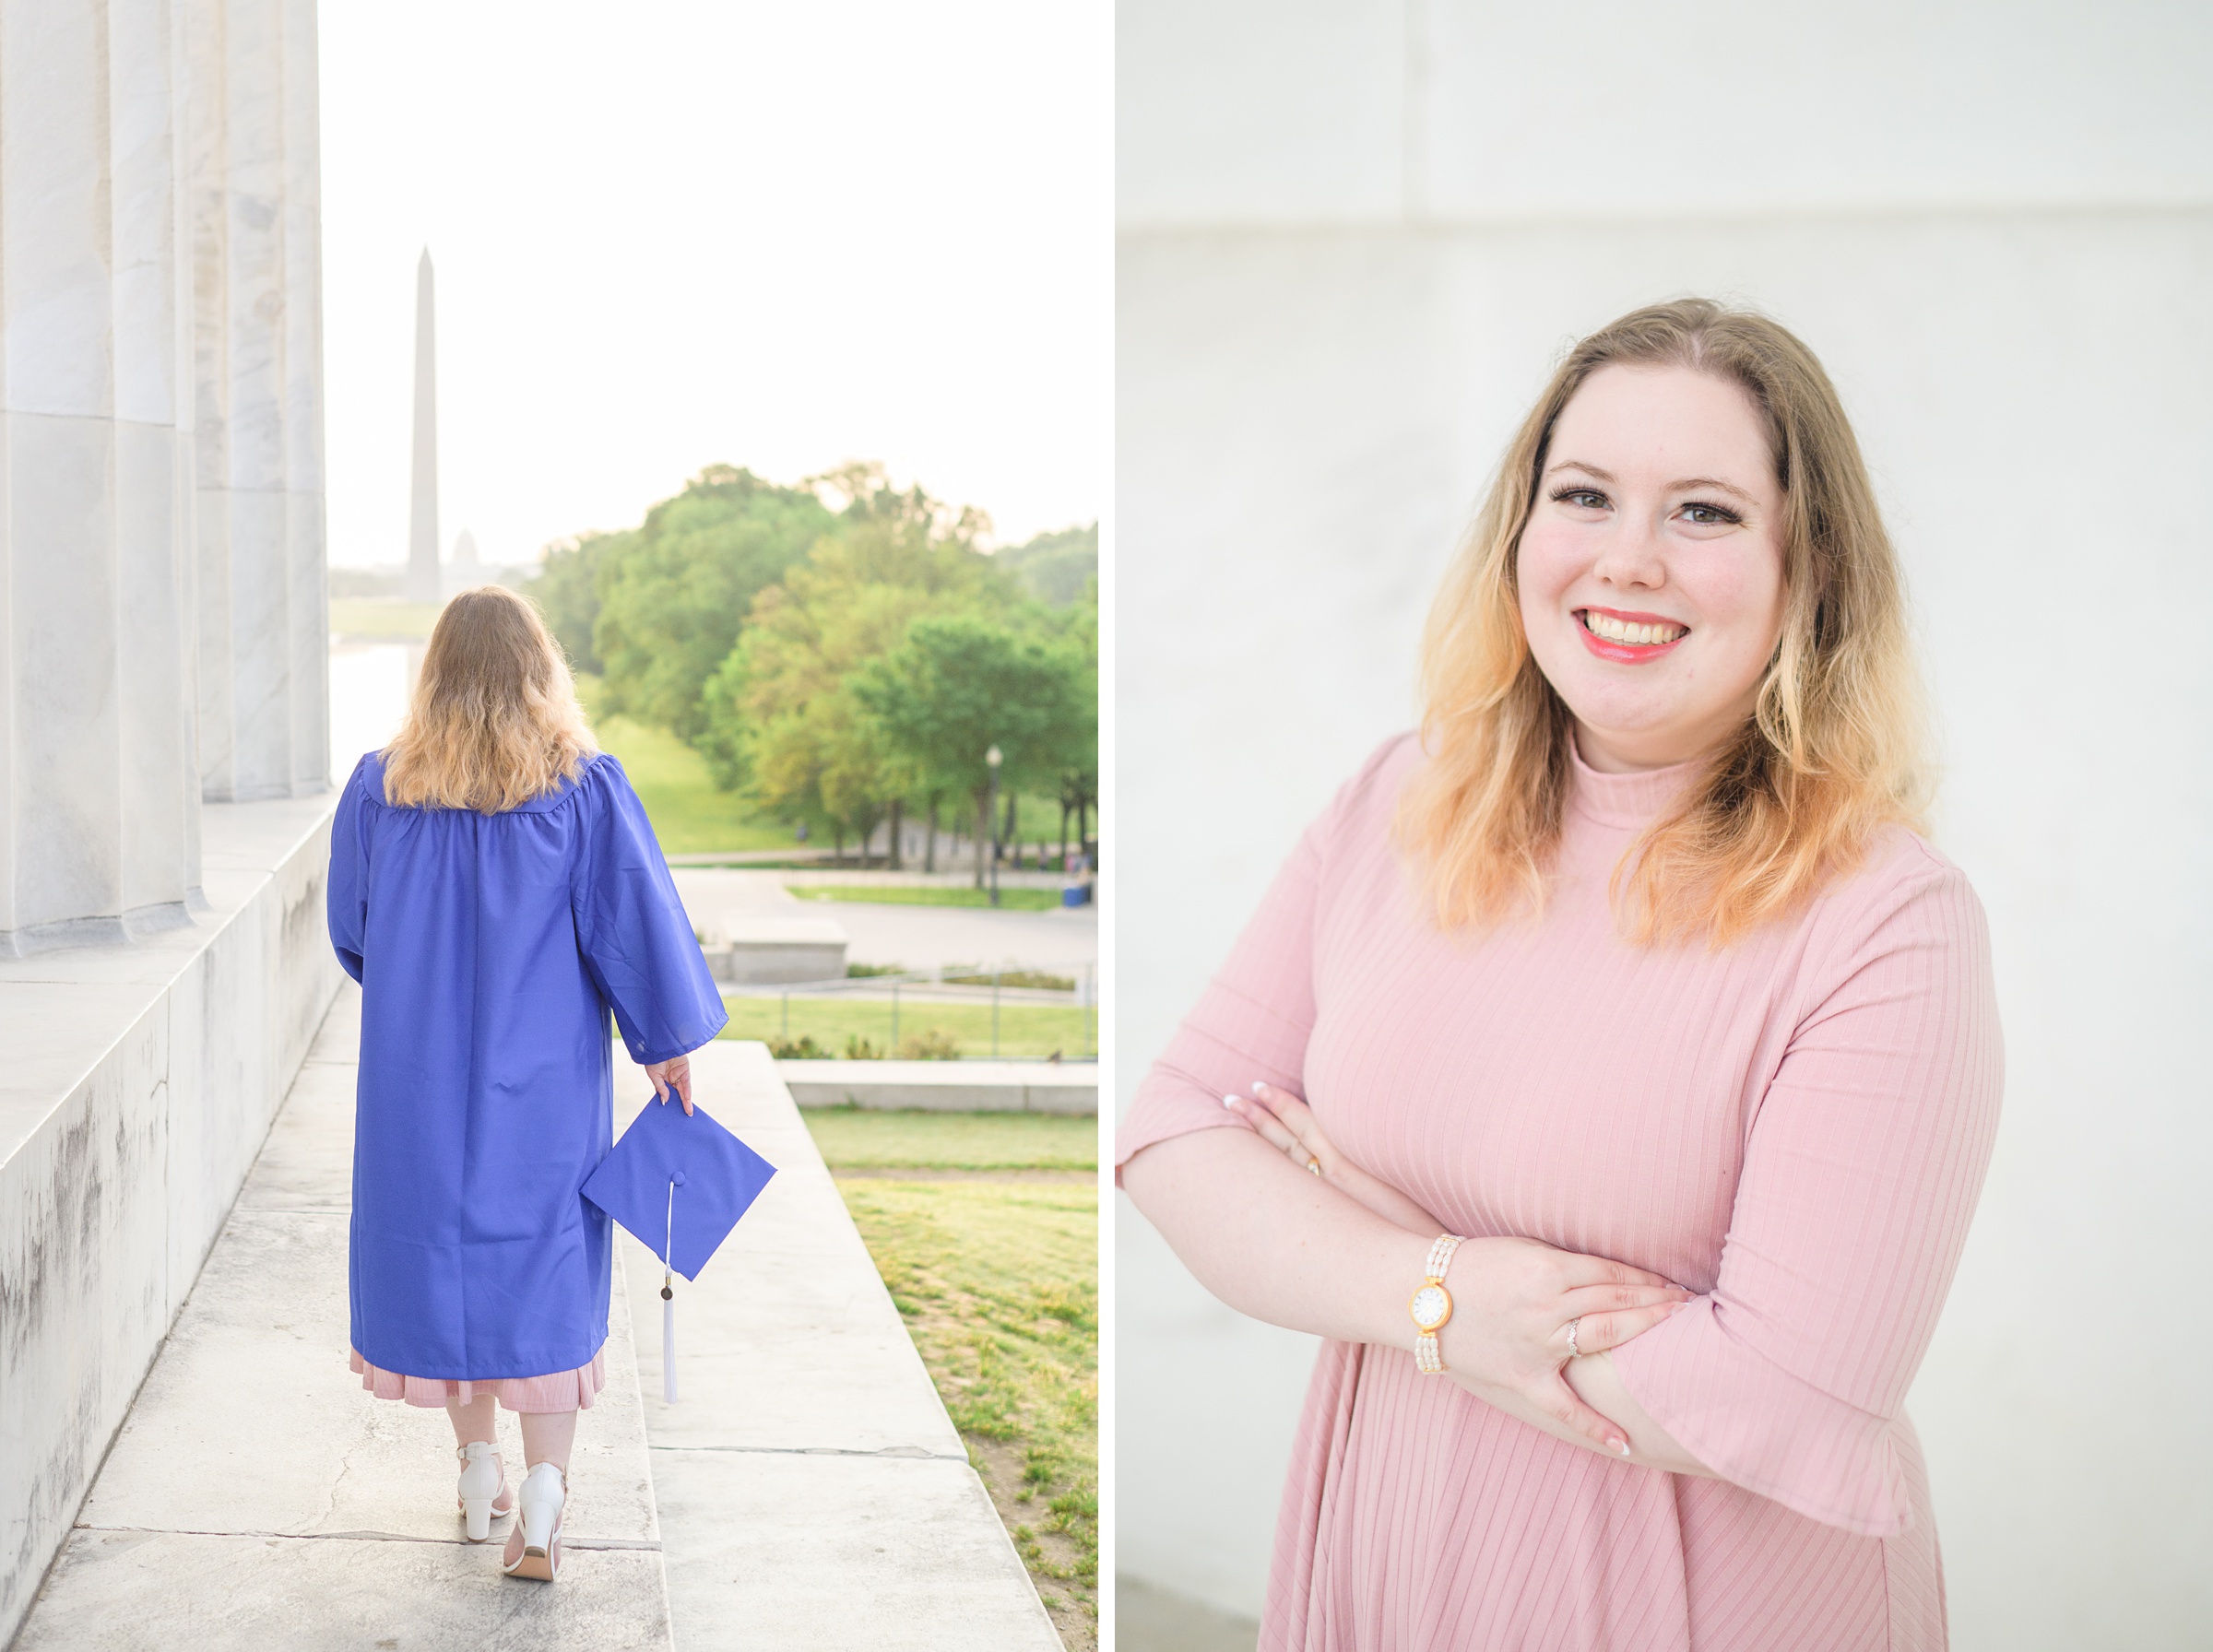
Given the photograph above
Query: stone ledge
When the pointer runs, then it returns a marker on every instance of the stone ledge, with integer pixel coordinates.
(766, 952)
(811, 1490)
(140, 1081)
(945, 1086)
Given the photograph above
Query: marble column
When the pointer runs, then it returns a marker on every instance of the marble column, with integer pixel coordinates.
(159, 392)
(99, 790)
(255, 228)
(423, 584)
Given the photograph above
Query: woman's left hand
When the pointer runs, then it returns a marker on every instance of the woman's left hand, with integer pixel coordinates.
(1286, 1121)
(674, 1074)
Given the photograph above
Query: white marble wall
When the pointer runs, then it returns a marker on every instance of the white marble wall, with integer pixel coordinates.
(1354, 238)
(139, 1084)
(162, 629)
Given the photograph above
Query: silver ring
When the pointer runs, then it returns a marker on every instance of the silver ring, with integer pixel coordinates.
(1573, 1351)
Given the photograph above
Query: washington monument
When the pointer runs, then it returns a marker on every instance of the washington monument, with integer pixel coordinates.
(422, 515)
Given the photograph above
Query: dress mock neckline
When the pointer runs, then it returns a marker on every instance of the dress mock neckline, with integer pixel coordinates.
(1627, 799)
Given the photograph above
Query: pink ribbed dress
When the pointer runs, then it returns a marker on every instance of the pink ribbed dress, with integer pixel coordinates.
(1796, 1127)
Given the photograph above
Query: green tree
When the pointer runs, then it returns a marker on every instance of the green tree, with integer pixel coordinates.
(1054, 568)
(1079, 755)
(566, 589)
(778, 717)
(961, 684)
(673, 600)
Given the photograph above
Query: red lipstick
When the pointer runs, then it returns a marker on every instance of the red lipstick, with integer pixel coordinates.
(1626, 653)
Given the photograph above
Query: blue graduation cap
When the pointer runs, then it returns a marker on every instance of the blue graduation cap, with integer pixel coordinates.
(679, 1182)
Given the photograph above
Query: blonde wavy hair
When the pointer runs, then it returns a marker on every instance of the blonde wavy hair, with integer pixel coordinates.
(1832, 751)
(494, 720)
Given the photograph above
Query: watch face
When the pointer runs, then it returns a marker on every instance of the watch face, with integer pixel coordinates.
(1431, 1307)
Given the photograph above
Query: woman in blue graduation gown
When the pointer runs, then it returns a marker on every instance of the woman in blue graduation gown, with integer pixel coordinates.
(497, 891)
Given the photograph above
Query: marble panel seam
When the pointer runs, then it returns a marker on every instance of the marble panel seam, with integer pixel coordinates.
(1434, 226)
(646, 1545)
(907, 1454)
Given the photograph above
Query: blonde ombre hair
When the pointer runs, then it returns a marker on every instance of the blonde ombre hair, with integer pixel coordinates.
(1832, 751)
(494, 720)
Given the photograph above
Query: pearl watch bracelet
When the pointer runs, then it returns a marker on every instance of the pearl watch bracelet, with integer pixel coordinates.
(1431, 1305)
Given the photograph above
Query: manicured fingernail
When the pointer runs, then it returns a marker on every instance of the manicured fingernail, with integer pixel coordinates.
(1621, 1448)
(1258, 1085)
(1231, 1100)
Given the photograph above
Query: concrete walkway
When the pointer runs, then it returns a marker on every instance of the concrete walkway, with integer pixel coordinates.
(916, 938)
(811, 1489)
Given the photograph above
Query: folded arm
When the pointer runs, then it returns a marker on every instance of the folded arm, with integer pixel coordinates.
(1283, 1121)
(1291, 1248)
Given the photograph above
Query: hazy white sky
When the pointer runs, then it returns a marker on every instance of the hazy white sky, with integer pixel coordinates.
(675, 232)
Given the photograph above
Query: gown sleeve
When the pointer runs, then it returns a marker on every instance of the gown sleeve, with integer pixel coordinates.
(1257, 1014)
(1860, 1171)
(631, 927)
(345, 894)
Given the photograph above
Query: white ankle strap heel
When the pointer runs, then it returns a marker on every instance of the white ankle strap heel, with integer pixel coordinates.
(537, 1509)
(481, 1478)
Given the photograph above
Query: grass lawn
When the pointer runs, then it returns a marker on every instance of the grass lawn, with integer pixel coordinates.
(902, 894)
(853, 1137)
(688, 815)
(1028, 1030)
(997, 1281)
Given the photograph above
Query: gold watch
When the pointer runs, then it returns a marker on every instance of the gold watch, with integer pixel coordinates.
(1431, 1307)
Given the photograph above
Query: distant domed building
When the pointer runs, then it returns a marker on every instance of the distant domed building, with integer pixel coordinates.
(462, 569)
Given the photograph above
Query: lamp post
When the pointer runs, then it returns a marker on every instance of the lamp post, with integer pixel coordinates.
(991, 762)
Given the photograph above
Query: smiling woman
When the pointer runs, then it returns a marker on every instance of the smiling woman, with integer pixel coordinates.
(1626, 1008)
(1683, 560)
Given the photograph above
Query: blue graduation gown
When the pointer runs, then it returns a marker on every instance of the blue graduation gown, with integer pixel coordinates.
(489, 949)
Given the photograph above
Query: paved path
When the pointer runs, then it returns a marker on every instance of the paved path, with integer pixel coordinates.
(917, 937)
(808, 1491)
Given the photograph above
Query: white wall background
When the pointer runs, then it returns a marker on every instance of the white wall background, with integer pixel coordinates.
(1354, 238)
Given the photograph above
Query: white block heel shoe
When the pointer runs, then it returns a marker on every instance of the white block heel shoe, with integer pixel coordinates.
(538, 1508)
(483, 1478)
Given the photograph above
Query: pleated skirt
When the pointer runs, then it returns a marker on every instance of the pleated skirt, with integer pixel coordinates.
(557, 1391)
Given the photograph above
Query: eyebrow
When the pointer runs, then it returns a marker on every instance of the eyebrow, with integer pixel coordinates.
(1687, 485)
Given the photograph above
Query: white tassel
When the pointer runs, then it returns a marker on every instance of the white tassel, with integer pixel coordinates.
(668, 1308)
(668, 1344)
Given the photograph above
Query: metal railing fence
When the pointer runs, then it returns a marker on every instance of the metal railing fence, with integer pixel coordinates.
(959, 983)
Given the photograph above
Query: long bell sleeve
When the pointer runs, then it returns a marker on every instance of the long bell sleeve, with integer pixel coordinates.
(1861, 1170)
(1257, 1014)
(631, 927)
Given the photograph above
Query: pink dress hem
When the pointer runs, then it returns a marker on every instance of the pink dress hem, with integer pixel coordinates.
(556, 1391)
